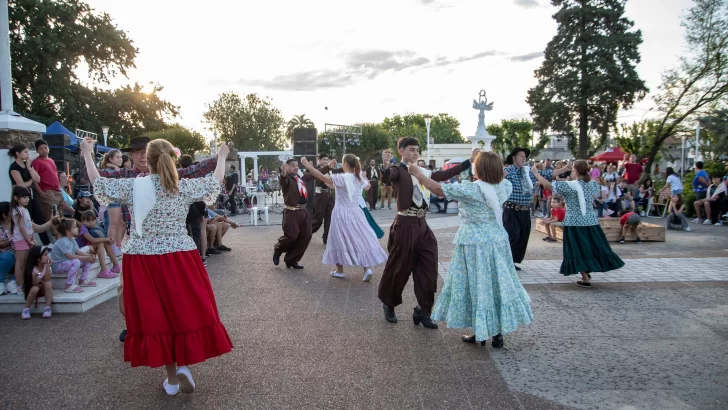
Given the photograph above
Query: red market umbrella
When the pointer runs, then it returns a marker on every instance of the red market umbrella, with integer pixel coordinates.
(615, 155)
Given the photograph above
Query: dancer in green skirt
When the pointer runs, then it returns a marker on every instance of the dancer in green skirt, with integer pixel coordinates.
(586, 248)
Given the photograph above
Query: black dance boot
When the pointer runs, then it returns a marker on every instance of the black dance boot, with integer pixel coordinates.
(276, 257)
(389, 314)
(497, 341)
(471, 339)
(293, 265)
(420, 317)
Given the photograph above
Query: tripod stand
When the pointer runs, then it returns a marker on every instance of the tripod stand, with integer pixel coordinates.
(275, 189)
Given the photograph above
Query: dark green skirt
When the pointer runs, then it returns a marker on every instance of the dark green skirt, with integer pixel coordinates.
(373, 224)
(586, 249)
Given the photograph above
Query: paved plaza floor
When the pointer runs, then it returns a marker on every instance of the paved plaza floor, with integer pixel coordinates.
(653, 335)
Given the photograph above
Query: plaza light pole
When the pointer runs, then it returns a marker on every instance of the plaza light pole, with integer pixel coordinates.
(428, 119)
(214, 142)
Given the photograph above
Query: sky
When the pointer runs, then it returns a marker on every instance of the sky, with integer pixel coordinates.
(365, 60)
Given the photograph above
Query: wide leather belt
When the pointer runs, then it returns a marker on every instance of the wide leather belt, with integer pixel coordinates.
(511, 205)
(418, 212)
(294, 208)
(322, 190)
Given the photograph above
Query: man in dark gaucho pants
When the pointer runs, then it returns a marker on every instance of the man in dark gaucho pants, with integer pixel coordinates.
(516, 210)
(323, 201)
(296, 220)
(412, 245)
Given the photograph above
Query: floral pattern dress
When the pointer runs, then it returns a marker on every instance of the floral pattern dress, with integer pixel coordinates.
(482, 289)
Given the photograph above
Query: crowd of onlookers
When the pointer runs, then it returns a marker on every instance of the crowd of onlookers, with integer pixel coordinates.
(73, 233)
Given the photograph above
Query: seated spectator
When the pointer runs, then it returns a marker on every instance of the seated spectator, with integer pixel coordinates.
(557, 218)
(94, 237)
(38, 278)
(646, 193)
(614, 197)
(67, 258)
(676, 214)
(221, 224)
(7, 250)
(67, 199)
(23, 230)
(717, 203)
(83, 203)
(600, 201)
(611, 175)
(436, 200)
(628, 202)
(630, 221)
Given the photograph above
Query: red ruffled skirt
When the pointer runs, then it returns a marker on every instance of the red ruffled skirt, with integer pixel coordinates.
(170, 311)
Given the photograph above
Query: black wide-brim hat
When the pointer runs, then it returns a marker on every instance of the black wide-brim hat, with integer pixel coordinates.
(509, 159)
(137, 143)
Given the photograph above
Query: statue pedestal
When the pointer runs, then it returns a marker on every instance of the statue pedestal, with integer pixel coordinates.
(481, 139)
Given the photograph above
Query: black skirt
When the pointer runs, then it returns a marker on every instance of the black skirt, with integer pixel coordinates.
(586, 249)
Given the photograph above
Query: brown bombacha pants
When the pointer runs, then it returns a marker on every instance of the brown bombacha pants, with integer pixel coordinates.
(412, 250)
(296, 235)
(323, 205)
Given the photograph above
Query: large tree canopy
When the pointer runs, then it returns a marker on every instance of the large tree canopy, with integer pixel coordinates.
(51, 41)
(588, 73)
(516, 133)
(189, 142)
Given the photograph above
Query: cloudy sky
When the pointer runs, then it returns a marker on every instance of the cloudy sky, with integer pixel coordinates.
(364, 60)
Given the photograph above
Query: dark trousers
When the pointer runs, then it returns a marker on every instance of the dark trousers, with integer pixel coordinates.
(231, 202)
(323, 205)
(373, 193)
(518, 226)
(412, 251)
(296, 235)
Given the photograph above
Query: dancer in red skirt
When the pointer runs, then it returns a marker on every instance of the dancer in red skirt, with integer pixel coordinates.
(171, 314)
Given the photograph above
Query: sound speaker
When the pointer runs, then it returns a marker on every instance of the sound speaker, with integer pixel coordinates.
(304, 142)
(57, 140)
(59, 154)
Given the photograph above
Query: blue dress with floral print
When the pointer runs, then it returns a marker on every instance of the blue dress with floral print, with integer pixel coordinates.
(482, 289)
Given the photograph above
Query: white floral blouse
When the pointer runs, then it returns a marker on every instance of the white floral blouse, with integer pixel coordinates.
(164, 229)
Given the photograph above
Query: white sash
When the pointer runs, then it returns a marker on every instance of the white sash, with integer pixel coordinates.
(491, 198)
(576, 186)
(526, 170)
(145, 196)
(424, 192)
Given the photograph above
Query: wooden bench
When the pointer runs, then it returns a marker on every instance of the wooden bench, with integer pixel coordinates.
(613, 231)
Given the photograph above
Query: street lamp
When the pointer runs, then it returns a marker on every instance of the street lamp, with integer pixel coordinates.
(214, 143)
(105, 131)
(428, 119)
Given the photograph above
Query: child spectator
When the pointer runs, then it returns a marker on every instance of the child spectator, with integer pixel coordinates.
(92, 236)
(630, 221)
(600, 201)
(557, 217)
(675, 214)
(38, 278)
(23, 229)
(7, 250)
(68, 258)
(646, 193)
(614, 197)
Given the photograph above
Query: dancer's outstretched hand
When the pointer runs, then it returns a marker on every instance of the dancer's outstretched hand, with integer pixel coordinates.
(386, 157)
(304, 162)
(87, 146)
(224, 150)
(332, 163)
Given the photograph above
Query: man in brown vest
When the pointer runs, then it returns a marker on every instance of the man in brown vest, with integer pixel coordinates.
(412, 245)
(296, 221)
(323, 201)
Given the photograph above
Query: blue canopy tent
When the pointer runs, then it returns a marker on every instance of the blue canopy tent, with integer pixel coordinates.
(58, 128)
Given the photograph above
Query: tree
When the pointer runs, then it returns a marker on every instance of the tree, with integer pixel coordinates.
(298, 121)
(374, 139)
(636, 138)
(588, 73)
(515, 133)
(50, 42)
(444, 129)
(700, 82)
(715, 133)
(252, 124)
(188, 141)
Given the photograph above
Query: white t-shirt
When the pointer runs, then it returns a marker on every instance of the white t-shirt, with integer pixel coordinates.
(675, 183)
(611, 176)
(605, 192)
(27, 223)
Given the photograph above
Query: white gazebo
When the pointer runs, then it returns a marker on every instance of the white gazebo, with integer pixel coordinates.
(254, 155)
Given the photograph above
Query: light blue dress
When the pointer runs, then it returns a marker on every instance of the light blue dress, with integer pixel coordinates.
(482, 289)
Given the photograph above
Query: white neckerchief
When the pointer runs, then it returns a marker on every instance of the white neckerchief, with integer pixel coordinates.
(420, 187)
(491, 198)
(576, 186)
(145, 196)
(375, 174)
(525, 171)
(349, 180)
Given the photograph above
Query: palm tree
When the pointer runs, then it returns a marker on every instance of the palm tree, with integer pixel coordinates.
(298, 121)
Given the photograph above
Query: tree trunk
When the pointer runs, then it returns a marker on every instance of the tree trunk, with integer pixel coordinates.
(652, 155)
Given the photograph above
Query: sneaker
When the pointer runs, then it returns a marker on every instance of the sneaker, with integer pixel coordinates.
(12, 287)
(696, 221)
(707, 222)
(26, 314)
(213, 251)
(367, 275)
(170, 389)
(204, 262)
(643, 213)
(621, 241)
(186, 383)
(337, 274)
(122, 336)
(117, 251)
(2, 289)
(638, 240)
(47, 312)
(687, 229)
(719, 223)
(223, 248)
(538, 215)
(389, 206)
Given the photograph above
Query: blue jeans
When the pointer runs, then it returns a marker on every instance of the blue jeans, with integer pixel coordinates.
(7, 262)
(600, 208)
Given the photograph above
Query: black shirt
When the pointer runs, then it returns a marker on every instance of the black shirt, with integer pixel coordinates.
(24, 173)
(232, 181)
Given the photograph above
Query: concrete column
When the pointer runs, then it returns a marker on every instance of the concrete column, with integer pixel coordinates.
(255, 168)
